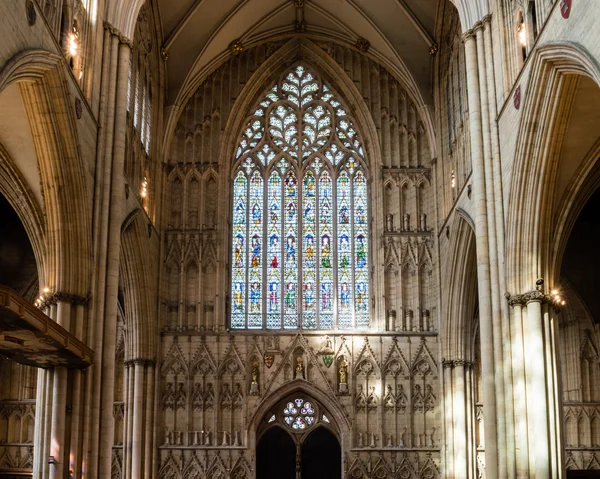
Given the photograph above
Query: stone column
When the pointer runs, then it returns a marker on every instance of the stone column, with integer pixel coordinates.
(137, 439)
(538, 372)
(149, 419)
(483, 259)
(448, 422)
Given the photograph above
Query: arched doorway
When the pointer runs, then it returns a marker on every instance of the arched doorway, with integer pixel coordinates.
(321, 455)
(297, 439)
(276, 455)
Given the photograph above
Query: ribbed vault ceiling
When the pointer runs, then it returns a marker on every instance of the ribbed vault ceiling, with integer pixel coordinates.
(197, 33)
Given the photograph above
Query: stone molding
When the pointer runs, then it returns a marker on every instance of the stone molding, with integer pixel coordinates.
(139, 362)
(525, 298)
(115, 31)
(61, 296)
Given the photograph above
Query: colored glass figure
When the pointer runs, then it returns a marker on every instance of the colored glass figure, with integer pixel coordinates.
(255, 260)
(299, 242)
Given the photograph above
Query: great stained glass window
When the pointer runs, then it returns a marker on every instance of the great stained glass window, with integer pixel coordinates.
(300, 248)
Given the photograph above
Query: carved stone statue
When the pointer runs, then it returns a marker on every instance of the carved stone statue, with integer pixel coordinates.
(254, 372)
(299, 367)
(343, 370)
(389, 222)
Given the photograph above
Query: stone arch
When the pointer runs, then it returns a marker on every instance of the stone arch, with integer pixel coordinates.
(14, 188)
(339, 416)
(341, 84)
(555, 67)
(139, 279)
(462, 292)
(41, 77)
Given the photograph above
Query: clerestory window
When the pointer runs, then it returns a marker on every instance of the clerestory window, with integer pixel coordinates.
(300, 236)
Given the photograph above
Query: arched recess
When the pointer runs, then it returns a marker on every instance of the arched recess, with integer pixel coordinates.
(139, 277)
(461, 281)
(305, 421)
(459, 350)
(339, 420)
(14, 188)
(340, 83)
(42, 80)
(533, 232)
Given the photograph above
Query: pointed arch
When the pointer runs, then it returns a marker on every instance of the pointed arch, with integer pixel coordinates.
(14, 188)
(461, 281)
(339, 417)
(300, 128)
(41, 77)
(139, 279)
(555, 67)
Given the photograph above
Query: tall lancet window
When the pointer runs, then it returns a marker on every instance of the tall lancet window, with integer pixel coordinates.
(300, 242)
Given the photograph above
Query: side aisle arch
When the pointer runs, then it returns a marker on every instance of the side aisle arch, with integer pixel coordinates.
(41, 77)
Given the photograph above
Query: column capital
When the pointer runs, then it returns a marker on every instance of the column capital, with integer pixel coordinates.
(448, 363)
(487, 19)
(468, 35)
(139, 362)
(478, 26)
(115, 31)
(532, 296)
(62, 296)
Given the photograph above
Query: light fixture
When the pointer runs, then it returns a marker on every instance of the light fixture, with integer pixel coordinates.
(522, 34)
(453, 179)
(144, 191)
(73, 46)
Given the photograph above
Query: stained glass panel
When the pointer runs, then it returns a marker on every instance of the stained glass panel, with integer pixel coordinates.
(361, 248)
(274, 254)
(325, 251)
(300, 243)
(309, 262)
(240, 195)
(256, 254)
(299, 415)
(344, 231)
(290, 274)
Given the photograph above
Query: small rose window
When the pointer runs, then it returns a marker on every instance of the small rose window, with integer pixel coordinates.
(299, 414)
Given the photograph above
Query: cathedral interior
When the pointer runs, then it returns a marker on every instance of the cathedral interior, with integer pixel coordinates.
(299, 239)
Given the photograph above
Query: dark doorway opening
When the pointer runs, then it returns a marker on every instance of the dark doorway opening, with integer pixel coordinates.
(276, 455)
(583, 474)
(321, 456)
